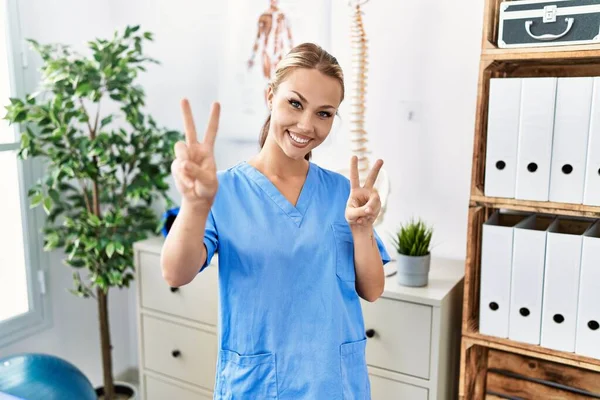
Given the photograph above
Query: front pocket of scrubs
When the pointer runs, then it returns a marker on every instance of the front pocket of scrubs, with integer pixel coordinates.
(355, 377)
(344, 252)
(247, 377)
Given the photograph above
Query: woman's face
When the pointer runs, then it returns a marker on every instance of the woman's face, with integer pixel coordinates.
(302, 111)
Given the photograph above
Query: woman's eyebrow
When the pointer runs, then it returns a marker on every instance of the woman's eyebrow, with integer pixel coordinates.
(306, 101)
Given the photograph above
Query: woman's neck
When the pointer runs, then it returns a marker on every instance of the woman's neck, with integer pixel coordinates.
(272, 161)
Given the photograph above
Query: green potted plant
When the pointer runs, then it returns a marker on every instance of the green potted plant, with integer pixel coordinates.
(412, 243)
(106, 162)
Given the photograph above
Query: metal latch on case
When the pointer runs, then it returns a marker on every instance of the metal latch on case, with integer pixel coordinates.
(550, 13)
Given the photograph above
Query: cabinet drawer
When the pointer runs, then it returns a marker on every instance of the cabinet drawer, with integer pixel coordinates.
(197, 300)
(402, 338)
(156, 389)
(389, 389)
(180, 352)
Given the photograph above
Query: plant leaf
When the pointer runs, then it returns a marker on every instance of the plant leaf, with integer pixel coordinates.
(47, 204)
(120, 248)
(36, 199)
(110, 249)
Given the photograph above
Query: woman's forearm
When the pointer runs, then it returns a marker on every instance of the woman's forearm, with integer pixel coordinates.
(370, 279)
(183, 252)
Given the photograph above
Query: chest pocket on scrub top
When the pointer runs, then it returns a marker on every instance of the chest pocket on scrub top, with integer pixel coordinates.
(344, 251)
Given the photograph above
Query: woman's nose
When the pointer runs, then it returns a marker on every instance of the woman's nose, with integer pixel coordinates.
(305, 122)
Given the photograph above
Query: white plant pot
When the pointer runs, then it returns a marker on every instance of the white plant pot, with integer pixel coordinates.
(413, 270)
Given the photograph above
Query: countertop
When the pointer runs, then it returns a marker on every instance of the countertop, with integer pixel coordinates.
(444, 275)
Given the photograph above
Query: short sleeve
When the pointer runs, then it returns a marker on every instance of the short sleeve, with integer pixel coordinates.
(385, 257)
(211, 239)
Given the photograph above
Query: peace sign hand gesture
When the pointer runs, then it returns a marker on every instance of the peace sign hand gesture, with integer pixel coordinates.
(363, 203)
(194, 167)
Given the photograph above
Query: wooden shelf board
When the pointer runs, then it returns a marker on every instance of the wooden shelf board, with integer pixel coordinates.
(590, 51)
(544, 207)
(474, 338)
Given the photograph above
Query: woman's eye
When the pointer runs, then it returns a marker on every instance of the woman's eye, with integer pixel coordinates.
(297, 105)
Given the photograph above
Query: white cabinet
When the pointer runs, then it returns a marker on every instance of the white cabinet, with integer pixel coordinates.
(158, 389)
(413, 333)
(391, 389)
(413, 345)
(397, 345)
(177, 329)
(181, 302)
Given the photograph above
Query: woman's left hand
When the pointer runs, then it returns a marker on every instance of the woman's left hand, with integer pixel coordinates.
(363, 204)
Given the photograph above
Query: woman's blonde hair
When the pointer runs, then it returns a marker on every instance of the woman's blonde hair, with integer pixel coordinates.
(305, 55)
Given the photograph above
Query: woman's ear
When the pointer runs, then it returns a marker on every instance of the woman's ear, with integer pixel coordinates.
(269, 94)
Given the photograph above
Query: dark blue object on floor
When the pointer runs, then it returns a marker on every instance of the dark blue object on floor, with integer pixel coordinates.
(43, 377)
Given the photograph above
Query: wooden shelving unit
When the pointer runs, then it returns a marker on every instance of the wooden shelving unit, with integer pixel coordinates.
(496, 368)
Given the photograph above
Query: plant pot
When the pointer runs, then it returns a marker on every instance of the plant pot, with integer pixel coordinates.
(123, 391)
(413, 270)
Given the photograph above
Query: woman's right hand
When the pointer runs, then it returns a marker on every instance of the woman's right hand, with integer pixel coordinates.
(194, 168)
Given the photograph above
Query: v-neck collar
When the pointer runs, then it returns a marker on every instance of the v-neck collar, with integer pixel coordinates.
(296, 213)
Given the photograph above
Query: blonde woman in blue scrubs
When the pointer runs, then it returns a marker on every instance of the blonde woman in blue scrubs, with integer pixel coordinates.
(296, 245)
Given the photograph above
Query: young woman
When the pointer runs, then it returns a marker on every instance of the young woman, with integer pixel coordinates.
(296, 245)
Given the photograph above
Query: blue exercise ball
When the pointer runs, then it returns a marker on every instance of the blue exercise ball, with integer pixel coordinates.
(44, 377)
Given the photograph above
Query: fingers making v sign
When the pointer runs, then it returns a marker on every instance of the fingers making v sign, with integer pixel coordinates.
(194, 167)
(363, 202)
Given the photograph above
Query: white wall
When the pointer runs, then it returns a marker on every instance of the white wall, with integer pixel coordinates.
(423, 57)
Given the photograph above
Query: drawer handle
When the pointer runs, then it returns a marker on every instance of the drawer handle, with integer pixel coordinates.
(175, 353)
(370, 333)
(174, 289)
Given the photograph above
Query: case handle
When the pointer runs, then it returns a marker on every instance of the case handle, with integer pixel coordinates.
(549, 36)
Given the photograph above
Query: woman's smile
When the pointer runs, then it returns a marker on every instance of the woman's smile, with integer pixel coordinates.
(298, 140)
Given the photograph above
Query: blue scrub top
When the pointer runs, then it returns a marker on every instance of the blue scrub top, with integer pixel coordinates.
(291, 324)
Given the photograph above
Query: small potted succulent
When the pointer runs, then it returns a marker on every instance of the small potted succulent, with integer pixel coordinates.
(412, 243)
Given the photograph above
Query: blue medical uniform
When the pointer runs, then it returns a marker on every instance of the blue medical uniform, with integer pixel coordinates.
(290, 320)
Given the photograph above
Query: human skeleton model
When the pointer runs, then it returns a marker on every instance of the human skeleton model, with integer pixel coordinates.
(358, 134)
(266, 33)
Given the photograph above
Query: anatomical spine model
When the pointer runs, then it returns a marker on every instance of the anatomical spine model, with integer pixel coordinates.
(358, 134)
(273, 25)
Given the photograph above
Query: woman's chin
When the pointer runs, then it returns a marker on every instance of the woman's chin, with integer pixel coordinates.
(295, 154)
